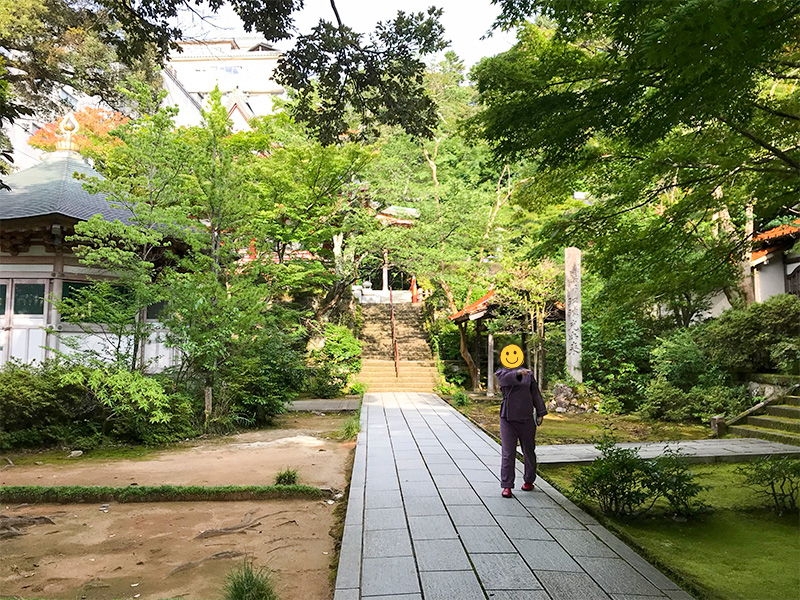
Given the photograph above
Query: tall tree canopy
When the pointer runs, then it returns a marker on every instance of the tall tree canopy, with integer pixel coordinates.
(671, 114)
(337, 71)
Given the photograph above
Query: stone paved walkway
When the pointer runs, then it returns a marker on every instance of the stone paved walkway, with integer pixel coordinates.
(425, 521)
(724, 450)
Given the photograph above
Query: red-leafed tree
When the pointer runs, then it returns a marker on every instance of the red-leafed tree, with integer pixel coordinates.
(93, 132)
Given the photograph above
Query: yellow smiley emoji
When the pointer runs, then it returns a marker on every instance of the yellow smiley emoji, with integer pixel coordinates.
(511, 356)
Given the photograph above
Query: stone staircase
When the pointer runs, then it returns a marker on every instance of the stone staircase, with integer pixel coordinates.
(781, 423)
(417, 369)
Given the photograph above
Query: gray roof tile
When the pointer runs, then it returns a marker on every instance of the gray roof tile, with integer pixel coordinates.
(50, 188)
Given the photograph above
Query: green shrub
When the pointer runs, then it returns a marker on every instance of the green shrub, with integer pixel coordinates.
(611, 405)
(775, 478)
(57, 405)
(38, 409)
(460, 398)
(623, 483)
(667, 402)
(358, 388)
(764, 337)
(678, 360)
(335, 362)
(616, 357)
(615, 480)
(259, 382)
(286, 477)
(245, 583)
(669, 477)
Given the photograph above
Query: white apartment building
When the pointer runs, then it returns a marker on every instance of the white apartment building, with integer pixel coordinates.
(243, 68)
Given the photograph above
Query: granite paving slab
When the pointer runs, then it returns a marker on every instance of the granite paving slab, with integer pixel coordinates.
(425, 521)
(337, 405)
(716, 450)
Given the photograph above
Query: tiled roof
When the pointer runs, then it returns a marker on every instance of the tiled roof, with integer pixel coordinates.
(777, 238)
(779, 232)
(49, 188)
(475, 307)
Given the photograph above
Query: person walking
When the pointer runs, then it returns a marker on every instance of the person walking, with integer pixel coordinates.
(521, 412)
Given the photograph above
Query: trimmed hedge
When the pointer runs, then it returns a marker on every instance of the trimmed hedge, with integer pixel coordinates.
(74, 494)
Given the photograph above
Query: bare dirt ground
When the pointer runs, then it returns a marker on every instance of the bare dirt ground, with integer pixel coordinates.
(151, 550)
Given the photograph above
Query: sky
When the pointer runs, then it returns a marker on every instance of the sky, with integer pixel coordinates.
(465, 22)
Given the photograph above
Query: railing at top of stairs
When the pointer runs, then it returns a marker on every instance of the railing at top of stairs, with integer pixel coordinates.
(394, 337)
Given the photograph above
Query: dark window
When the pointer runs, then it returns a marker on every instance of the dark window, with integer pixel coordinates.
(3, 289)
(71, 289)
(154, 310)
(29, 299)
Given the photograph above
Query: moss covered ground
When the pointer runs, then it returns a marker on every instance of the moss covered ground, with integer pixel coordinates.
(740, 550)
(569, 428)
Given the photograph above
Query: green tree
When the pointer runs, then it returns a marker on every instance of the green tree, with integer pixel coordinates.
(674, 115)
(142, 176)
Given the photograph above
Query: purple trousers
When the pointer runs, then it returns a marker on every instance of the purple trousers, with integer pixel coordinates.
(510, 432)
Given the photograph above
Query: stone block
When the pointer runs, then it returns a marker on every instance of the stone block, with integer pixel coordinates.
(616, 576)
(570, 586)
(389, 576)
(418, 506)
(441, 555)
(471, 515)
(384, 518)
(431, 528)
(582, 543)
(545, 556)
(383, 499)
(523, 528)
(447, 585)
(505, 507)
(485, 539)
(459, 497)
(385, 543)
(504, 572)
(556, 518)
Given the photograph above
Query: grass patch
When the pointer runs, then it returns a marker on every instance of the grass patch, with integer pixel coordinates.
(567, 428)
(740, 551)
(71, 494)
(247, 583)
(350, 428)
(286, 477)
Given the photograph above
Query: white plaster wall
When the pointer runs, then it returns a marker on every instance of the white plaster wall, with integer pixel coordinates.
(769, 279)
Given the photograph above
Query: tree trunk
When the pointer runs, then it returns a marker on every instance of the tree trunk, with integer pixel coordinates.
(542, 353)
(208, 395)
(473, 370)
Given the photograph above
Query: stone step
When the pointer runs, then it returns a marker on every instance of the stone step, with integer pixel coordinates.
(402, 380)
(427, 375)
(401, 388)
(764, 433)
(782, 423)
(375, 362)
(791, 400)
(782, 410)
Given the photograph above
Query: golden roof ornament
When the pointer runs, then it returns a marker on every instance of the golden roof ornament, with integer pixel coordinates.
(68, 127)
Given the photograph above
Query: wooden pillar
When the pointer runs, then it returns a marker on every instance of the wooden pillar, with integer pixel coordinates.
(490, 365)
(385, 287)
(414, 295)
(478, 328)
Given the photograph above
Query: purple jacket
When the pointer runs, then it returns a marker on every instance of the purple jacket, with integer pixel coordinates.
(520, 395)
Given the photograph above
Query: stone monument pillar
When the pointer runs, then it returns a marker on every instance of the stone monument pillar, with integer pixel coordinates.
(572, 272)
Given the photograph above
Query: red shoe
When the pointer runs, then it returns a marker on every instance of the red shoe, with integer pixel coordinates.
(506, 493)
(527, 487)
